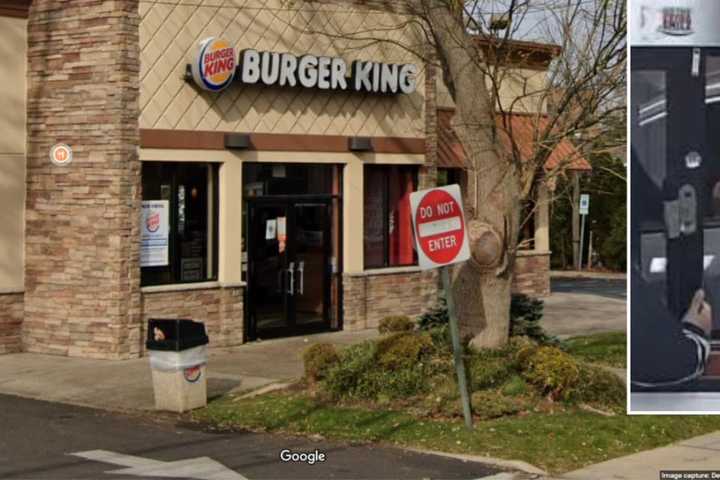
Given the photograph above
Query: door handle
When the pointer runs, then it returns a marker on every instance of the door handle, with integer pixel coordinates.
(291, 283)
(301, 270)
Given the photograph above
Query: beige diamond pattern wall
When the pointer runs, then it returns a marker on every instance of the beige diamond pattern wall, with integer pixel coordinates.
(170, 31)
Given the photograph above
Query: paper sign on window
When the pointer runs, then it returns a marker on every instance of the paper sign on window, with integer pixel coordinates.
(154, 233)
(271, 229)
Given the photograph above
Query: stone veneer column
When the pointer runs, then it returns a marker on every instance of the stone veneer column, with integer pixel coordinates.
(82, 288)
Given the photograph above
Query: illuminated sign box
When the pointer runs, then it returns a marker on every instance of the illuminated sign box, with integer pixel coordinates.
(214, 69)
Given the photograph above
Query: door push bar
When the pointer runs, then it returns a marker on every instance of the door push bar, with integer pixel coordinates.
(291, 283)
(291, 277)
(301, 270)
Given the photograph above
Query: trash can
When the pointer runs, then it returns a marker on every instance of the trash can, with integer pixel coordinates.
(178, 358)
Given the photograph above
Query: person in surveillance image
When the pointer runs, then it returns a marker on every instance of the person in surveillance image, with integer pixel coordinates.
(677, 352)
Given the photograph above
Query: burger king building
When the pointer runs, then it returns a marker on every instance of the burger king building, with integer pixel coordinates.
(246, 164)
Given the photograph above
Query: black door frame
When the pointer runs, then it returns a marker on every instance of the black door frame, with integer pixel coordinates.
(290, 202)
(684, 103)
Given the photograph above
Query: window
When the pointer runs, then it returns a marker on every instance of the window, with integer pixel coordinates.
(388, 226)
(183, 221)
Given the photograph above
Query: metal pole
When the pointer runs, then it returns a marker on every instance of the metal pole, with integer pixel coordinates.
(457, 351)
(582, 235)
(589, 262)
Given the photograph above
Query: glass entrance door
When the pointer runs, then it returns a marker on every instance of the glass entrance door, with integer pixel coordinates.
(669, 162)
(288, 267)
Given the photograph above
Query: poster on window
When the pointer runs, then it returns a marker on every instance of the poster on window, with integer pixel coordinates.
(154, 233)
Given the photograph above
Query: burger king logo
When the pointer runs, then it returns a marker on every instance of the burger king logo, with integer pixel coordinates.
(152, 223)
(214, 65)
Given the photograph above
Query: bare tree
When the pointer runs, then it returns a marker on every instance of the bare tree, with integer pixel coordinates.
(475, 45)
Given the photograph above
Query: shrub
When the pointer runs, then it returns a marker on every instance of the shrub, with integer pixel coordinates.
(515, 386)
(520, 349)
(344, 379)
(359, 374)
(436, 317)
(488, 368)
(490, 404)
(525, 315)
(396, 384)
(395, 324)
(598, 386)
(317, 359)
(403, 350)
(552, 371)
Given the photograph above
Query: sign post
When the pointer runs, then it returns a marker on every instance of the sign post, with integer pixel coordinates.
(584, 210)
(441, 240)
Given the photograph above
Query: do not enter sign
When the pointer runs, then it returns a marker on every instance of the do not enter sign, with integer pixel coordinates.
(439, 224)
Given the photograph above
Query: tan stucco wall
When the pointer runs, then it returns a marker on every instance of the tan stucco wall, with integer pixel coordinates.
(523, 86)
(13, 52)
(230, 227)
(169, 34)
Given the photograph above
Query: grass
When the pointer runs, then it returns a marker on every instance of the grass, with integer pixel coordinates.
(558, 441)
(602, 348)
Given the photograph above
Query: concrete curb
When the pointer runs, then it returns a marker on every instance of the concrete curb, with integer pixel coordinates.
(569, 274)
(498, 462)
(263, 390)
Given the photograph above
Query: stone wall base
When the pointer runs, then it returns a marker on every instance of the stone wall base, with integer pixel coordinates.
(369, 297)
(11, 317)
(532, 274)
(220, 309)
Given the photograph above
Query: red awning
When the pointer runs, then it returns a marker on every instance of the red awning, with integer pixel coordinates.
(452, 155)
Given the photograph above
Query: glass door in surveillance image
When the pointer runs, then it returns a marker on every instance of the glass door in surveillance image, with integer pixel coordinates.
(675, 206)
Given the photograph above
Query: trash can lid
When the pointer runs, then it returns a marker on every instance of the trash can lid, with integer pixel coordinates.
(175, 334)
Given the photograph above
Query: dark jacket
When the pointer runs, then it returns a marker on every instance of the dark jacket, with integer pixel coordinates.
(664, 350)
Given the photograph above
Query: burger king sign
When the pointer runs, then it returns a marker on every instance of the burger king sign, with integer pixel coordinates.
(214, 65)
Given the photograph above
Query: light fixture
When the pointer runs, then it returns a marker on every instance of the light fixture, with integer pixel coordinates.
(360, 144)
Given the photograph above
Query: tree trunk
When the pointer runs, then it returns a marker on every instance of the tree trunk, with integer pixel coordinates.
(482, 286)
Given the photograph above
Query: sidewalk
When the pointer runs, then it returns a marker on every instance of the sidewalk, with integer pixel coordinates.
(699, 453)
(126, 385)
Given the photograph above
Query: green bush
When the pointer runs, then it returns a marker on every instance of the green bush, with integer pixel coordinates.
(395, 324)
(525, 315)
(488, 368)
(553, 372)
(598, 386)
(403, 350)
(361, 375)
(515, 386)
(318, 359)
(490, 404)
(436, 317)
(520, 349)
(345, 378)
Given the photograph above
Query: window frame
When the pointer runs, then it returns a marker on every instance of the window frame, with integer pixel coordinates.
(386, 217)
(211, 245)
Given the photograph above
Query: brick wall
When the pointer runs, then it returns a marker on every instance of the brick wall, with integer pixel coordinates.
(370, 297)
(220, 309)
(532, 274)
(11, 316)
(82, 294)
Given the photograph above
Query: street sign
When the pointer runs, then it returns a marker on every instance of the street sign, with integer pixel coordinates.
(441, 240)
(439, 225)
(584, 204)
